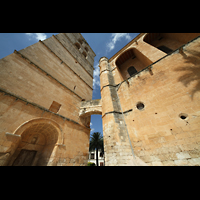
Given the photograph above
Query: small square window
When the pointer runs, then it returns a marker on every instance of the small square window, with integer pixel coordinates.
(92, 156)
(55, 106)
(132, 70)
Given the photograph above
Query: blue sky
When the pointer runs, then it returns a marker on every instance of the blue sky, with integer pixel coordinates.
(103, 44)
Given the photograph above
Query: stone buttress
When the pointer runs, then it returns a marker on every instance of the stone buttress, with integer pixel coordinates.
(117, 146)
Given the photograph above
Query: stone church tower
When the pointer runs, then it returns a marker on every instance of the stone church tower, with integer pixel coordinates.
(150, 102)
(41, 90)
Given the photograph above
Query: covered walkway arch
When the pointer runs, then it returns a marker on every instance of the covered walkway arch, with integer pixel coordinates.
(89, 108)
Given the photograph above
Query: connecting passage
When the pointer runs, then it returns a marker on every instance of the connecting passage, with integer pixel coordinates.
(91, 107)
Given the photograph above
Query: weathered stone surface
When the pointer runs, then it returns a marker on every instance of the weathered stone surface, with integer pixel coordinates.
(183, 155)
(90, 107)
(163, 130)
(166, 130)
(31, 80)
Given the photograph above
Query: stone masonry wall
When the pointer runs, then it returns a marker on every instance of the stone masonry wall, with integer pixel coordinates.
(71, 148)
(39, 54)
(21, 78)
(167, 130)
(41, 90)
(117, 147)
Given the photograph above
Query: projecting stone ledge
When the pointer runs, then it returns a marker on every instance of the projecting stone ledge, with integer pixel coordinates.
(90, 107)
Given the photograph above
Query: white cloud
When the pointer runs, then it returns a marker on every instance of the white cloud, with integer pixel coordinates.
(96, 79)
(116, 37)
(92, 130)
(38, 36)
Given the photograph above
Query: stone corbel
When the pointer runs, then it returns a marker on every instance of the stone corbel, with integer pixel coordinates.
(13, 137)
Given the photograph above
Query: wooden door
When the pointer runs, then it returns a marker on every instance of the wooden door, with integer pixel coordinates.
(25, 158)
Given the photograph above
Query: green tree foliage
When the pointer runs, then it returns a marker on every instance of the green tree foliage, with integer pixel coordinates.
(96, 142)
(90, 164)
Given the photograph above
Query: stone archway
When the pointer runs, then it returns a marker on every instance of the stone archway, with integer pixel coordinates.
(38, 143)
(89, 108)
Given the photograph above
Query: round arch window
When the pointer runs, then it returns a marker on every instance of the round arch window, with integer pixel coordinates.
(77, 45)
(86, 49)
(85, 54)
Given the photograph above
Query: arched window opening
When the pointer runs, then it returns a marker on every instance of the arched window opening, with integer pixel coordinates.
(124, 57)
(132, 70)
(131, 57)
(77, 45)
(86, 49)
(168, 42)
(81, 42)
(85, 54)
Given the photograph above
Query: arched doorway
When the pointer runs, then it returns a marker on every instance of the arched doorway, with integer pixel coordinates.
(37, 146)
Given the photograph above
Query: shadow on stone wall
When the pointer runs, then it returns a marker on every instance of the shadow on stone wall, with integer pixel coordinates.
(192, 71)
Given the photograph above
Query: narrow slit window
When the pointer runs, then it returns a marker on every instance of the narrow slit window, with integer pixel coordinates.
(77, 45)
(80, 41)
(85, 54)
(86, 49)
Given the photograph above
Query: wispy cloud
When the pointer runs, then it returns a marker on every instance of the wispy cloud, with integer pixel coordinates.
(116, 37)
(92, 129)
(96, 79)
(37, 36)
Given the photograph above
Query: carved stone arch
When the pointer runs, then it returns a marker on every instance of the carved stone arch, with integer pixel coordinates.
(90, 111)
(89, 108)
(77, 45)
(38, 121)
(39, 139)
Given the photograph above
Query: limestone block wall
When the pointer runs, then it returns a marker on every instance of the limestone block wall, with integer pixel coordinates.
(43, 57)
(21, 121)
(166, 131)
(25, 80)
(83, 47)
(69, 44)
(91, 107)
(41, 90)
(65, 54)
(117, 144)
(146, 52)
